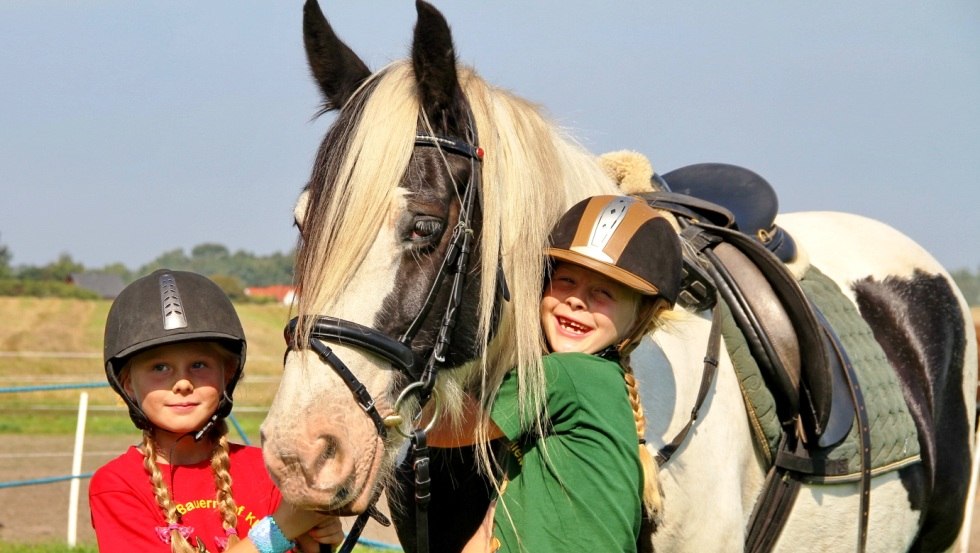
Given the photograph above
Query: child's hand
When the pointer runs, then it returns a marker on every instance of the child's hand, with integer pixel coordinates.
(329, 531)
(294, 522)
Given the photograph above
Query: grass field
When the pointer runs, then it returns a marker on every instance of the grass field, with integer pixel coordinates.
(46, 548)
(51, 341)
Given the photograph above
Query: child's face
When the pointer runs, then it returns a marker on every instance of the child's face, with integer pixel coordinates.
(584, 311)
(179, 385)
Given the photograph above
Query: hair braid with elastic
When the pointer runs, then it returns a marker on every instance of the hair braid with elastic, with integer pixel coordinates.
(652, 500)
(220, 464)
(162, 494)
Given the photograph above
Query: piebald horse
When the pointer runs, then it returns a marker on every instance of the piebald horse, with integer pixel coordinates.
(426, 161)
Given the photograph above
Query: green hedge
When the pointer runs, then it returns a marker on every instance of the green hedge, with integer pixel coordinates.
(44, 289)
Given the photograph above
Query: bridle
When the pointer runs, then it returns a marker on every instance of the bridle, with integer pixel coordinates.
(398, 352)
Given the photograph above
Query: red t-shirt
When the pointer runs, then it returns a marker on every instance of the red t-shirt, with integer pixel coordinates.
(125, 514)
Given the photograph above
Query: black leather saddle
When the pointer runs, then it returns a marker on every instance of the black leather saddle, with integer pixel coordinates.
(728, 217)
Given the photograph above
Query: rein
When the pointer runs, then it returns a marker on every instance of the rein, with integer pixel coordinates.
(707, 377)
(398, 352)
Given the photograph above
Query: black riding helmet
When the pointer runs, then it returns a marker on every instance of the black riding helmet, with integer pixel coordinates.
(168, 307)
(628, 241)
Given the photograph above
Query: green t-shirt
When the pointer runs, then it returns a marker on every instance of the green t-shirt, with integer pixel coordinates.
(581, 492)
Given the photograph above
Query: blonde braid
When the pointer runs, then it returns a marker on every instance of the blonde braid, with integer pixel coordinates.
(162, 494)
(652, 500)
(220, 464)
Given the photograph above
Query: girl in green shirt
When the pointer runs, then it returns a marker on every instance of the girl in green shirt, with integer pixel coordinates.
(574, 477)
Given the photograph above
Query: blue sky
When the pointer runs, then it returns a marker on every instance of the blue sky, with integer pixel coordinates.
(128, 129)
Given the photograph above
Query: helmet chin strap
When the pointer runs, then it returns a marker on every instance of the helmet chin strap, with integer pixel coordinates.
(215, 417)
(207, 427)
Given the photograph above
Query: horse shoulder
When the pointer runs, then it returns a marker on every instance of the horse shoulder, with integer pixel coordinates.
(711, 482)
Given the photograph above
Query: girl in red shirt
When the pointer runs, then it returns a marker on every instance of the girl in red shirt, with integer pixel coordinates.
(174, 350)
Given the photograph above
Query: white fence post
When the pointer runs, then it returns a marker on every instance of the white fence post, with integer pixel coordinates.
(76, 470)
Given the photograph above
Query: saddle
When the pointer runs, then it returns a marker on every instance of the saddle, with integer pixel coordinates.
(737, 253)
(728, 215)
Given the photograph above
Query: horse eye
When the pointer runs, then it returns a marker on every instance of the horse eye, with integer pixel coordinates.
(425, 230)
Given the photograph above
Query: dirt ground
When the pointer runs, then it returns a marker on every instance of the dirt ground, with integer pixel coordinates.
(39, 513)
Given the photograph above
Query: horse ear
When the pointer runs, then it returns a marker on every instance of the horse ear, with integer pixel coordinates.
(434, 62)
(336, 67)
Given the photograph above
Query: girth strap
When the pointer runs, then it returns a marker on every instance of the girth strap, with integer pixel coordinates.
(793, 462)
(864, 427)
(771, 510)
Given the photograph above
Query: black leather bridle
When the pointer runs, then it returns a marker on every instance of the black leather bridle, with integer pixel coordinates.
(398, 352)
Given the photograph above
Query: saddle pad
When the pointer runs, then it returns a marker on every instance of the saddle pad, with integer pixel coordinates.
(894, 442)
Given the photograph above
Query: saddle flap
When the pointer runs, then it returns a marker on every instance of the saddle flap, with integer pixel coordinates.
(842, 411)
(813, 380)
(765, 324)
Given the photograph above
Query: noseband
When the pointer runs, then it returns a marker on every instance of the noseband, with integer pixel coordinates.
(398, 352)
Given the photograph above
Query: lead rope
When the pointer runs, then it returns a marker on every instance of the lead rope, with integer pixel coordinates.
(422, 489)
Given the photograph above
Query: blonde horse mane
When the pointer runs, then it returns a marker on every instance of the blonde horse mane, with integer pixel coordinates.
(532, 172)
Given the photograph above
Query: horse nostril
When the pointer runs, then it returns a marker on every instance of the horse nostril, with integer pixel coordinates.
(326, 464)
(328, 449)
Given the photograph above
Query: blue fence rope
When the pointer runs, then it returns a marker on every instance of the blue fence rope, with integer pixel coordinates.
(38, 481)
(239, 429)
(49, 387)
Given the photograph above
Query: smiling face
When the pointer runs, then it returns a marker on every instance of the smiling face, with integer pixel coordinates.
(178, 386)
(584, 311)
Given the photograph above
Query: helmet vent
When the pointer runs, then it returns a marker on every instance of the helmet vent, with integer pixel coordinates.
(173, 308)
(608, 221)
(604, 229)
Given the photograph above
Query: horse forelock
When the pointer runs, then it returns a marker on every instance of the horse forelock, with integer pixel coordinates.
(353, 188)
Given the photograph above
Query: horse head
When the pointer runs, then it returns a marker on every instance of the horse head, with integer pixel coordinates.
(406, 233)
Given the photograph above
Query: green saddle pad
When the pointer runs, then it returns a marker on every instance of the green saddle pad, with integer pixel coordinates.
(894, 441)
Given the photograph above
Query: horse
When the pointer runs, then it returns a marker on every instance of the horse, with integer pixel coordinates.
(419, 271)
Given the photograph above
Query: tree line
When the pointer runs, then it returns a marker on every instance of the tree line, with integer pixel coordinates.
(969, 284)
(233, 271)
